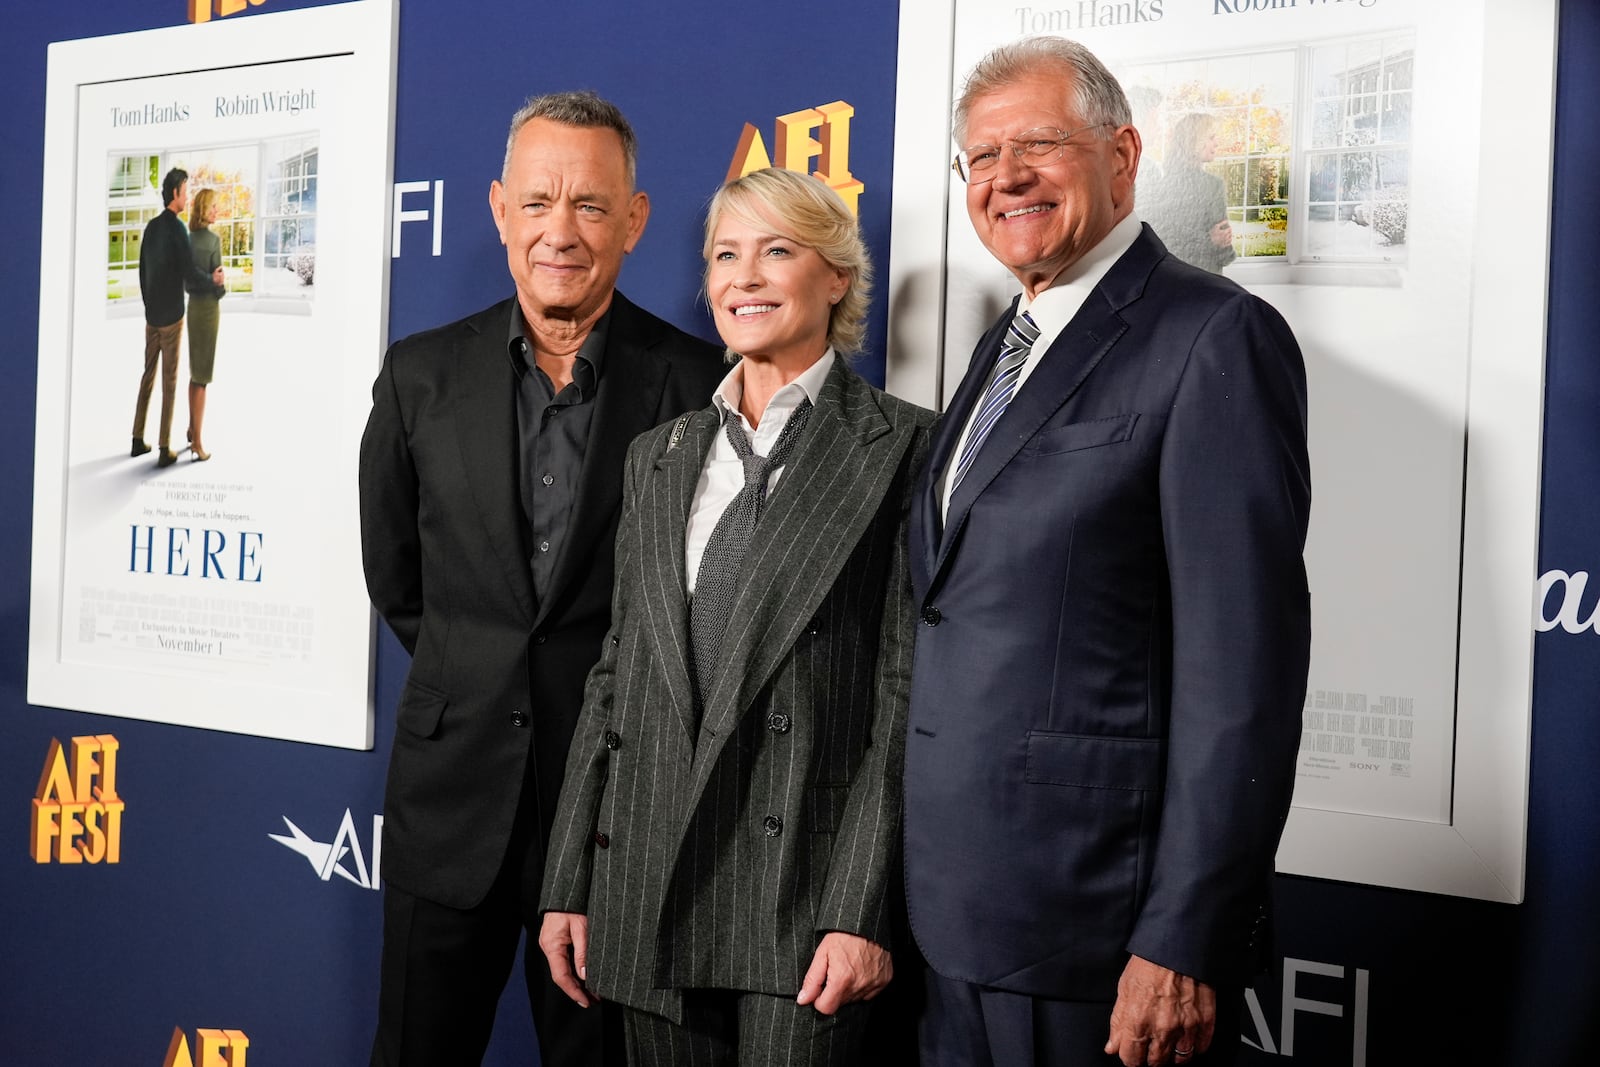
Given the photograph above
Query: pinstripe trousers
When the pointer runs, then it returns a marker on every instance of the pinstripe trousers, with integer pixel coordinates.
(728, 1028)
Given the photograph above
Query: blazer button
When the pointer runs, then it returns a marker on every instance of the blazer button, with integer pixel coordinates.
(613, 742)
(814, 627)
(932, 615)
(538, 639)
(519, 718)
(601, 840)
(779, 723)
(772, 825)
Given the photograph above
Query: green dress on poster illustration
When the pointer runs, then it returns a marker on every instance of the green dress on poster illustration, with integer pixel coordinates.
(203, 314)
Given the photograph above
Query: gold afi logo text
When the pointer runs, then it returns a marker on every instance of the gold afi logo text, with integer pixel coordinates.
(202, 10)
(77, 814)
(795, 148)
(217, 1048)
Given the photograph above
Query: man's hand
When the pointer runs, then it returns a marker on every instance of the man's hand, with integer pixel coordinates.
(564, 939)
(1222, 234)
(1160, 1016)
(846, 968)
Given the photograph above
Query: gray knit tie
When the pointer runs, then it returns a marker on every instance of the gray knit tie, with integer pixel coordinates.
(717, 580)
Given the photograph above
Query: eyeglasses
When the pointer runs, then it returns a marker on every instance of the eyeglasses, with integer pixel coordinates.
(979, 163)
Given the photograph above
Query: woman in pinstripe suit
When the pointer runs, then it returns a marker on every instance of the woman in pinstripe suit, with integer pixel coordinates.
(724, 847)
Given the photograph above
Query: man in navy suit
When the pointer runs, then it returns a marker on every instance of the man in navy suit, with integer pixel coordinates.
(1106, 554)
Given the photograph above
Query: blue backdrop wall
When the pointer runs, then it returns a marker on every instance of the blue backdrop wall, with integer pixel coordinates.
(206, 923)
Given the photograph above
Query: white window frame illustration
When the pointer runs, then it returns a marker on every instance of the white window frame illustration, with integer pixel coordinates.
(1341, 143)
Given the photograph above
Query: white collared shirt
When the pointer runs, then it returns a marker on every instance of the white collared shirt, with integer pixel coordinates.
(1051, 311)
(723, 474)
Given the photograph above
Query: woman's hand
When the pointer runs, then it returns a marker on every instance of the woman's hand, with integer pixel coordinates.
(846, 968)
(564, 939)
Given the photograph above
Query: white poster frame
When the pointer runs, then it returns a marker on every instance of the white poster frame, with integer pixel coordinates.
(336, 709)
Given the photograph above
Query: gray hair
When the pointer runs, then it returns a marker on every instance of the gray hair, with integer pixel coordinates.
(583, 108)
(809, 213)
(1096, 94)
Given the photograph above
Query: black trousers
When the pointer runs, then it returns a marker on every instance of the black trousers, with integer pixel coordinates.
(965, 1025)
(444, 969)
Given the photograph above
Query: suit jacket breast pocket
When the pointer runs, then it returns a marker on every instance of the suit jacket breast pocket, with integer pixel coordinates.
(1075, 436)
(420, 709)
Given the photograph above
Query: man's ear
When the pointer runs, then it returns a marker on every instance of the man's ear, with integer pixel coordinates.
(638, 215)
(497, 207)
(1126, 148)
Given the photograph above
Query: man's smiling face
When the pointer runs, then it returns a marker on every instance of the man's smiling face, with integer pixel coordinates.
(1040, 221)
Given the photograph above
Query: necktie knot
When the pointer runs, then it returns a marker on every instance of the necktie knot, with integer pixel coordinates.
(758, 469)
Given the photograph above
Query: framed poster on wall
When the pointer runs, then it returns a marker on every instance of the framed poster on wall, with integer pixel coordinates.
(196, 555)
(1358, 154)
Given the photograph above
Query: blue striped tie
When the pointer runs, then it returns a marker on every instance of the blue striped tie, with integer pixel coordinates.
(1013, 354)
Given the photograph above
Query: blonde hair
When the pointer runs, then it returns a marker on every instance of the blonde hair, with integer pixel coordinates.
(808, 212)
(200, 207)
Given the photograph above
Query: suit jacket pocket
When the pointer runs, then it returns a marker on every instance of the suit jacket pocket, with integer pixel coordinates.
(1094, 761)
(1079, 435)
(420, 709)
(825, 806)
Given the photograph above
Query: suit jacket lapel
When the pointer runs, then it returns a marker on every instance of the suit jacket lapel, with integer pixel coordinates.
(1061, 372)
(826, 497)
(486, 427)
(624, 408)
(930, 525)
(666, 600)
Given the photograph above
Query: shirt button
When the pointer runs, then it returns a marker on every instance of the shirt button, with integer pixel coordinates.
(519, 718)
(778, 722)
(548, 479)
(601, 839)
(772, 826)
(544, 546)
(613, 742)
(932, 615)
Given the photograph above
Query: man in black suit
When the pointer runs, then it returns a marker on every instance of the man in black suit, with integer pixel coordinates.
(166, 267)
(491, 481)
(1106, 554)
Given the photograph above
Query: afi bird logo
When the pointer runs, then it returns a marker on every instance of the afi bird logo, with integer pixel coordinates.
(342, 855)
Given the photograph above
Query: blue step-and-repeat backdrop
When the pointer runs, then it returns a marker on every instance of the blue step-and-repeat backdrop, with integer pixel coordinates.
(227, 906)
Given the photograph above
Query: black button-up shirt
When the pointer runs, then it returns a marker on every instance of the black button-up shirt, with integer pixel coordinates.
(553, 430)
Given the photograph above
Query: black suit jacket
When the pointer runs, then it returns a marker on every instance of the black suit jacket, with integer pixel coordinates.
(496, 678)
(1112, 661)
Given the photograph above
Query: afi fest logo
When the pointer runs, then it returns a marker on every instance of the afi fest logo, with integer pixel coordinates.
(794, 148)
(202, 10)
(1569, 605)
(77, 814)
(216, 1048)
(342, 855)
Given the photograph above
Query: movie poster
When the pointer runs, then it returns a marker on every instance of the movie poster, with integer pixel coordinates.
(223, 312)
(1330, 156)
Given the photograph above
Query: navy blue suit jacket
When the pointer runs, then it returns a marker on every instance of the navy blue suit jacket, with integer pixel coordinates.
(1112, 657)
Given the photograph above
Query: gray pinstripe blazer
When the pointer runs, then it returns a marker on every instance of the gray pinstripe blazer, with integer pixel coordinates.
(718, 861)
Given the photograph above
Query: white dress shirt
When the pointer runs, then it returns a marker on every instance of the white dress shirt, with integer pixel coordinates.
(1051, 311)
(723, 474)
